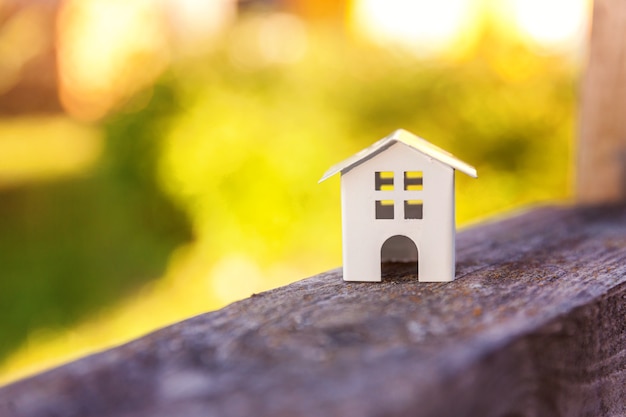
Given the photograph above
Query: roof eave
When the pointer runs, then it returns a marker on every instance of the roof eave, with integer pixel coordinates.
(357, 159)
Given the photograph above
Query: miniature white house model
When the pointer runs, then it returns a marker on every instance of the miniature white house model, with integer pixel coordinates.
(397, 199)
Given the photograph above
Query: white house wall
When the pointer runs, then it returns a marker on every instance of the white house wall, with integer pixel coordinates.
(364, 235)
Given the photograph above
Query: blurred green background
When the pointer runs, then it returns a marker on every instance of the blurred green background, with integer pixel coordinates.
(164, 162)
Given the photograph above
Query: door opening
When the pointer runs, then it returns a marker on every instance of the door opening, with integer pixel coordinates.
(399, 258)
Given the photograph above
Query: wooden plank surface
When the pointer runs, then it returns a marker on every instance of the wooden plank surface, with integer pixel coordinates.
(601, 173)
(534, 325)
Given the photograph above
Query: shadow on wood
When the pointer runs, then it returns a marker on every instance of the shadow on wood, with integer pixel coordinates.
(399, 271)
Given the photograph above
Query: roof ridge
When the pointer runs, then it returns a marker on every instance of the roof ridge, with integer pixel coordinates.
(408, 139)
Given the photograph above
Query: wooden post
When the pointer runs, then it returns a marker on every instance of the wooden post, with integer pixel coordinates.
(602, 151)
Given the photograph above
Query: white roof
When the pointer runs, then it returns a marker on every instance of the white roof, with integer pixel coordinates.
(409, 139)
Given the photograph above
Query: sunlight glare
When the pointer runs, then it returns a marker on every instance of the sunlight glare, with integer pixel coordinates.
(107, 50)
(422, 25)
(552, 22)
(196, 23)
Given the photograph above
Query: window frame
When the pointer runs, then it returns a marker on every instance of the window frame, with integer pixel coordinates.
(413, 180)
(384, 180)
(385, 210)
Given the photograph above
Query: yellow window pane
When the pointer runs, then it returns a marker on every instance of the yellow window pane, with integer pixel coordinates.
(413, 180)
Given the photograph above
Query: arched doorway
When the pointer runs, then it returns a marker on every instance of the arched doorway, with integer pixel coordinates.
(398, 257)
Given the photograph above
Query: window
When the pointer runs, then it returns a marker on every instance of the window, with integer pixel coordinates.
(384, 181)
(384, 209)
(413, 209)
(413, 181)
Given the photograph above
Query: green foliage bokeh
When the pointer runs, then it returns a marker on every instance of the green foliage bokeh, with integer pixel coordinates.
(244, 156)
(230, 153)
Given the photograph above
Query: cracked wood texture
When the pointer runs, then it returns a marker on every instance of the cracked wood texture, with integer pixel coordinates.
(534, 325)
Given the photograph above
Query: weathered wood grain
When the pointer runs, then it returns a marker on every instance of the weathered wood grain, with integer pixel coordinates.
(601, 174)
(534, 325)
